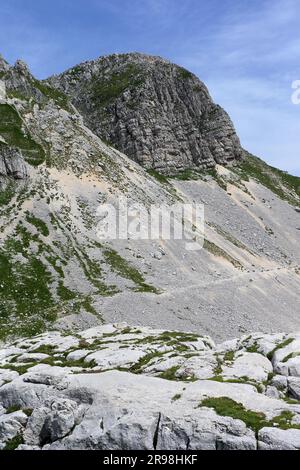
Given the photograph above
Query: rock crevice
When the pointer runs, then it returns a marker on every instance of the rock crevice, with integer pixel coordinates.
(175, 396)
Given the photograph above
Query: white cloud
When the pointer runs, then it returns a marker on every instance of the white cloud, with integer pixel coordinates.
(249, 65)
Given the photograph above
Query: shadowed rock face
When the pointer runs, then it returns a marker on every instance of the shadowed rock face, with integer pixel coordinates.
(157, 113)
(12, 163)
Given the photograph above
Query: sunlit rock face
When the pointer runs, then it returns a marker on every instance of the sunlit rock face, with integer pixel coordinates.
(120, 387)
(156, 112)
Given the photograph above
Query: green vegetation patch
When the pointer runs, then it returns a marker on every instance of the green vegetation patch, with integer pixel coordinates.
(7, 192)
(284, 420)
(39, 224)
(164, 180)
(32, 287)
(279, 346)
(12, 131)
(109, 88)
(12, 409)
(144, 361)
(13, 443)
(170, 374)
(62, 361)
(45, 349)
(158, 176)
(184, 73)
(195, 174)
(225, 406)
(25, 296)
(176, 397)
(219, 180)
(90, 267)
(52, 93)
(65, 293)
(125, 270)
(285, 186)
(229, 356)
(218, 368)
(179, 336)
(217, 251)
(229, 237)
(187, 175)
(244, 380)
(17, 94)
(174, 340)
(254, 348)
(291, 356)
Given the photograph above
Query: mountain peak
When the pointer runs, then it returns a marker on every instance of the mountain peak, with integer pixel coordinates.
(22, 67)
(158, 113)
(136, 56)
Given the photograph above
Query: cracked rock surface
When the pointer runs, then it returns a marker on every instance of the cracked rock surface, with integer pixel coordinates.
(12, 163)
(98, 389)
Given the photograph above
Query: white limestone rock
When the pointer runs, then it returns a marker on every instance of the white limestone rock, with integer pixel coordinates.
(279, 439)
(48, 424)
(252, 365)
(31, 357)
(115, 358)
(7, 376)
(98, 331)
(11, 425)
(85, 408)
(78, 354)
(2, 91)
(284, 353)
(198, 367)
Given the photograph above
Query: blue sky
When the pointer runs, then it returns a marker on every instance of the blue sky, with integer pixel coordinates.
(246, 51)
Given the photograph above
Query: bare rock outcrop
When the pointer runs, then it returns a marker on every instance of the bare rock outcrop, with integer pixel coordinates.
(12, 163)
(156, 112)
(99, 390)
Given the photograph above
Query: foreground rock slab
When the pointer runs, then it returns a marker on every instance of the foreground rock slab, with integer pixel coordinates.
(120, 387)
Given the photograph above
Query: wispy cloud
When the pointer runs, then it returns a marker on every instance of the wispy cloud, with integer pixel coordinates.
(249, 64)
(247, 52)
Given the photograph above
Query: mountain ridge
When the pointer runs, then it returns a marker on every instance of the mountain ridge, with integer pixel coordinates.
(56, 274)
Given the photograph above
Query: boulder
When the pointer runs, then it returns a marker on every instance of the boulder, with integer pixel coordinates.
(11, 425)
(48, 424)
(12, 163)
(185, 393)
(279, 439)
(293, 385)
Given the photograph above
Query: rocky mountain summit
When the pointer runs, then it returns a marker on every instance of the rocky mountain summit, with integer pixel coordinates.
(157, 113)
(120, 387)
(80, 378)
(55, 173)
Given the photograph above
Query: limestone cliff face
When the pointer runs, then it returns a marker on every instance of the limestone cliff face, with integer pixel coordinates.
(157, 113)
(12, 163)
